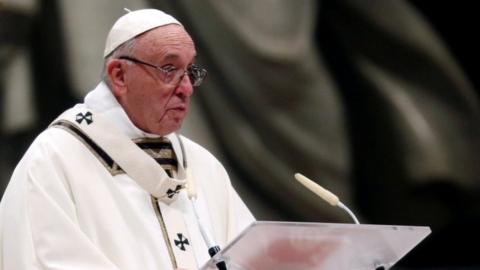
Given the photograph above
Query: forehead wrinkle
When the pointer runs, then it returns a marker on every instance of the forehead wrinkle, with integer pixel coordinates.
(161, 40)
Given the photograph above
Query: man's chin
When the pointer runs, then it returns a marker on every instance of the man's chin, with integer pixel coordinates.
(165, 129)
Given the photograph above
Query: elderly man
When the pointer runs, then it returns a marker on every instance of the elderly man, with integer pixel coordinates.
(109, 185)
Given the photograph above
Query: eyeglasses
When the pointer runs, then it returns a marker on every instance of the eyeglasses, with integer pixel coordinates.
(172, 75)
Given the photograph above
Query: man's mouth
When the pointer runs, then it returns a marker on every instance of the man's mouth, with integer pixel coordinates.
(180, 108)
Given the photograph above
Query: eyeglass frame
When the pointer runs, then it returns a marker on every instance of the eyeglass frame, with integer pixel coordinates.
(195, 80)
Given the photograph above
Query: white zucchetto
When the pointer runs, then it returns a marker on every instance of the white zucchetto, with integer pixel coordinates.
(133, 24)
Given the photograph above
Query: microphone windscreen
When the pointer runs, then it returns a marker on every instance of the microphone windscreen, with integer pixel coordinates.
(191, 185)
(317, 189)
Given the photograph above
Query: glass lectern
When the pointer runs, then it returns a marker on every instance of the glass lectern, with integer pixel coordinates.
(302, 246)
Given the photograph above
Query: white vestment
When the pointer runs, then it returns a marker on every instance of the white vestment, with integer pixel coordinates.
(63, 208)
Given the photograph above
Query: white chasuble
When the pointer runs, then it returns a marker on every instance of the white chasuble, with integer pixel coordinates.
(70, 204)
(175, 230)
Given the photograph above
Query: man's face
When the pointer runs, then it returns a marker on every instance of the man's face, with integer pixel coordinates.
(152, 104)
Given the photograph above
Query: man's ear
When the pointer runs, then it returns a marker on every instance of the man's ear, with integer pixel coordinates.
(116, 76)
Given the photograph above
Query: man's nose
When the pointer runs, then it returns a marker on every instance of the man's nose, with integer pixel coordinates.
(185, 86)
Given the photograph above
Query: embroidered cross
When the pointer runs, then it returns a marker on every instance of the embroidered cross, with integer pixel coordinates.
(87, 117)
(171, 193)
(181, 242)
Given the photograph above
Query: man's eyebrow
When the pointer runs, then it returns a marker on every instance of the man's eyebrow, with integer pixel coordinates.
(173, 56)
(170, 57)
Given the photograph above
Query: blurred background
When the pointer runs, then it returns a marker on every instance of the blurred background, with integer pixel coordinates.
(375, 100)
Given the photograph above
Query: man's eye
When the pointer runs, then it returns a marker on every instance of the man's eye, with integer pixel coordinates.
(169, 68)
(193, 67)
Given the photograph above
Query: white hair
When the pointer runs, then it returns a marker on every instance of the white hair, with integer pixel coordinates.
(126, 49)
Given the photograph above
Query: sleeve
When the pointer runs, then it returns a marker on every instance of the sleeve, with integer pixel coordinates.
(239, 215)
(57, 239)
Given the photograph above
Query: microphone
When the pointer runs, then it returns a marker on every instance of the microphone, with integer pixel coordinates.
(324, 194)
(213, 248)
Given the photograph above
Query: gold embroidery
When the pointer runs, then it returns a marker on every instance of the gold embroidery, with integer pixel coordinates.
(158, 213)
